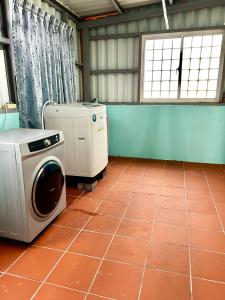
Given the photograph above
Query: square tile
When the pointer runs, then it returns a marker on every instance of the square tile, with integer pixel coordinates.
(118, 196)
(86, 203)
(112, 208)
(118, 280)
(143, 199)
(91, 243)
(98, 193)
(177, 203)
(207, 240)
(168, 257)
(208, 265)
(56, 237)
(128, 250)
(170, 234)
(207, 290)
(12, 288)
(172, 192)
(159, 285)
(10, 251)
(73, 218)
(36, 263)
(135, 228)
(104, 224)
(105, 183)
(199, 206)
(141, 212)
(51, 292)
(198, 195)
(207, 221)
(169, 216)
(74, 271)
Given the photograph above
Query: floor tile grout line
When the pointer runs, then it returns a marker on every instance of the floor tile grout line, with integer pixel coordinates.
(29, 246)
(188, 236)
(64, 252)
(104, 256)
(119, 262)
(214, 202)
(62, 255)
(15, 261)
(150, 239)
(146, 240)
(143, 220)
(113, 236)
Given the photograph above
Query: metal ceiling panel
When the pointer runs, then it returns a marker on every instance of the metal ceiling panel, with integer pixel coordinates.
(93, 7)
(89, 7)
(135, 3)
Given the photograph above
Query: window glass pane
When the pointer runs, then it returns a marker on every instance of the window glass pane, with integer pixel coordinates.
(4, 88)
(168, 44)
(211, 94)
(158, 44)
(215, 51)
(157, 54)
(213, 73)
(166, 65)
(149, 55)
(167, 54)
(187, 53)
(200, 65)
(204, 63)
(148, 76)
(149, 44)
(207, 41)
(217, 40)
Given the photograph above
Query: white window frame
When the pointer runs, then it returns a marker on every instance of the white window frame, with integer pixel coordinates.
(220, 85)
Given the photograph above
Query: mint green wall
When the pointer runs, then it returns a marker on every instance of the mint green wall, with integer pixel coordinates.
(172, 132)
(11, 121)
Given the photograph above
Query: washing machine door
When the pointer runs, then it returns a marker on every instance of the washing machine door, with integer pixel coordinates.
(47, 189)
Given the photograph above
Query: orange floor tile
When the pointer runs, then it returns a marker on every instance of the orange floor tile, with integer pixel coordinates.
(152, 230)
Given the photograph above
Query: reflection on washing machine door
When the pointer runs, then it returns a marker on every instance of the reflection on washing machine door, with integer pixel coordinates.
(47, 189)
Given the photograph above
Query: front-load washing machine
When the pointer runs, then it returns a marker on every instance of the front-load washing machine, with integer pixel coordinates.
(32, 181)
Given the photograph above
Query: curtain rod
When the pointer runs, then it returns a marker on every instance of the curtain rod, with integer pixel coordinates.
(24, 6)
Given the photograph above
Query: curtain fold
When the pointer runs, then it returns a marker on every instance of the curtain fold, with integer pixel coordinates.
(44, 61)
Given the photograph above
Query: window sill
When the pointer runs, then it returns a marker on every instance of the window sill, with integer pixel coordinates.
(167, 103)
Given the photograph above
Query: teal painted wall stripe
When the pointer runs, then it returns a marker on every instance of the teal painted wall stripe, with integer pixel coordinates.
(11, 121)
(193, 133)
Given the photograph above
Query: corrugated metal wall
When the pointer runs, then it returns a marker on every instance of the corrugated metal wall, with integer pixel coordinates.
(124, 53)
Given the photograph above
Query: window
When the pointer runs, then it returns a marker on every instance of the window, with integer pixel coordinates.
(182, 67)
(6, 82)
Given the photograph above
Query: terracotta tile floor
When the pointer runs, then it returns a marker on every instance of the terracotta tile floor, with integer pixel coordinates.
(152, 230)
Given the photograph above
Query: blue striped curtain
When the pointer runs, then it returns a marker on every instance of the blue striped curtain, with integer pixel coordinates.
(44, 61)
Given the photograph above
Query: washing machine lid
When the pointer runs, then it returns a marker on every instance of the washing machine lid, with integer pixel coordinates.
(25, 135)
(47, 189)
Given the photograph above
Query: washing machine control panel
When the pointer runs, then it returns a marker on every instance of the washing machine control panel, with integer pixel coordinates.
(44, 143)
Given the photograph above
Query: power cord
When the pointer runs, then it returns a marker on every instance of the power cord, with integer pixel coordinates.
(43, 109)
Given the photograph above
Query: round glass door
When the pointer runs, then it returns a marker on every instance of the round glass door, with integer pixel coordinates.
(47, 188)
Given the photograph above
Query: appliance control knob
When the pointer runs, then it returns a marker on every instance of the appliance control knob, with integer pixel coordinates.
(47, 143)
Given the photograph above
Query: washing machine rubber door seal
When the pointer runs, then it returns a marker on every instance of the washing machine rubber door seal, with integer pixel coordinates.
(47, 189)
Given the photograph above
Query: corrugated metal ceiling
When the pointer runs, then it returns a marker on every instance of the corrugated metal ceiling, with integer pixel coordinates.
(93, 7)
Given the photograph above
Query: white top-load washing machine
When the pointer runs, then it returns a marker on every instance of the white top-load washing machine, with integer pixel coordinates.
(84, 126)
(32, 181)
